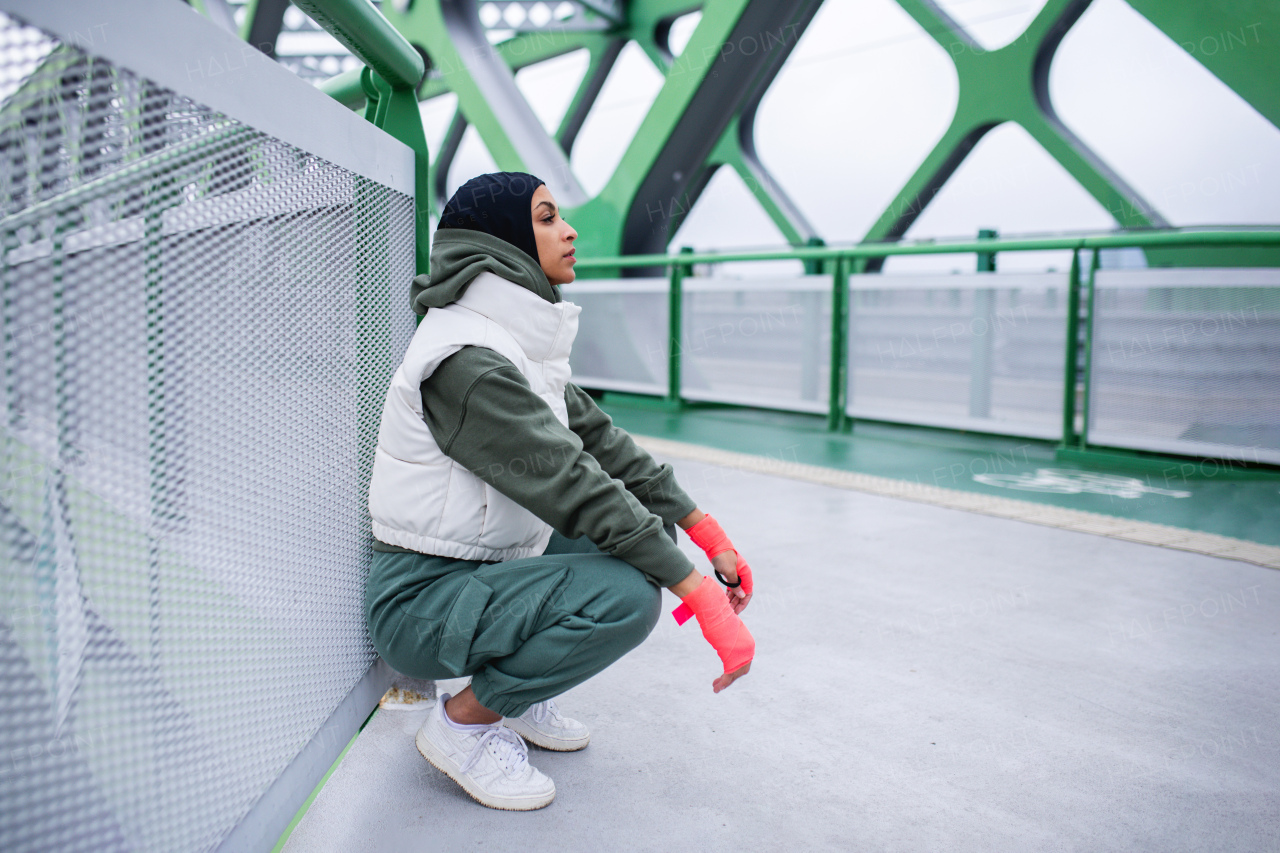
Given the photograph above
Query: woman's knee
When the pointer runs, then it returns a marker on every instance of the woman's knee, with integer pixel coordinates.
(637, 607)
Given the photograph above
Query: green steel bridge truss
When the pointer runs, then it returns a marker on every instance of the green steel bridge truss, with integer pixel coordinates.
(704, 115)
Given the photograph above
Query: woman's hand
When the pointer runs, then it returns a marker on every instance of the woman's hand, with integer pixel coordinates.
(722, 628)
(729, 677)
(726, 563)
(708, 535)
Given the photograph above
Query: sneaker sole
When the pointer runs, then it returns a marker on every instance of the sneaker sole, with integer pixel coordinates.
(512, 804)
(544, 741)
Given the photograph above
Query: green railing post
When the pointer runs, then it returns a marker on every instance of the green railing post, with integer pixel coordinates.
(1072, 355)
(987, 260)
(388, 84)
(675, 325)
(397, 112)
(814, 266)
(1088, 351)
(836, 417)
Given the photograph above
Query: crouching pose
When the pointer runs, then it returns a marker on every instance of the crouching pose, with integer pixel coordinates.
(521, 538)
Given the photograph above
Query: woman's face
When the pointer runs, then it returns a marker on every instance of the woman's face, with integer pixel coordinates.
(554, 236)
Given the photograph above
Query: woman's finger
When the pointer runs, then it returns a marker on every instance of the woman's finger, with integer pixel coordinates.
(729, 677)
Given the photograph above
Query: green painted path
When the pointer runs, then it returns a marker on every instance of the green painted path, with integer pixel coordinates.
(1204, 495)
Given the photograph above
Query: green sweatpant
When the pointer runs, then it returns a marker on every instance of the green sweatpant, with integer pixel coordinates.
(524, 630)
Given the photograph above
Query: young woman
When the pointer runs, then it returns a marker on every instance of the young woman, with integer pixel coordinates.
(521, 538)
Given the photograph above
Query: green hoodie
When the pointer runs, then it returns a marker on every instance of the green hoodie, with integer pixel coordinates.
(458, 256)
(588, 479)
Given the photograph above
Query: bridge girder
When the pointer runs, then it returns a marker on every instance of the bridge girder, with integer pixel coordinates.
(703, 117)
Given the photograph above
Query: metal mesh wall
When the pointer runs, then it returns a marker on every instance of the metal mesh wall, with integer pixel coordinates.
(1187, 361)
(199, 324)
(758, 342)
(980, 351)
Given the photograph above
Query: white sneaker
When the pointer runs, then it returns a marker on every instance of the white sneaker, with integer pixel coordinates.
(542, 725)
(491, 763)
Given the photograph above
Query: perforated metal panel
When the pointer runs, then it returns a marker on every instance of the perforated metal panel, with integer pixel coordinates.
(1187, 361)
(199, 324)
(969, 351)
(622, 334)
(759, 342)
(979, 351)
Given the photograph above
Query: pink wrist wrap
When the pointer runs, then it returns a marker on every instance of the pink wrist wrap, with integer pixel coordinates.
(720, 625)
(711, 538)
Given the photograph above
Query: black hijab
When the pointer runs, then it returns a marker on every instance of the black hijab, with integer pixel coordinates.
(496, 204)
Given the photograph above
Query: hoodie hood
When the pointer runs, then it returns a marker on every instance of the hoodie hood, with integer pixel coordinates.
(458, 256)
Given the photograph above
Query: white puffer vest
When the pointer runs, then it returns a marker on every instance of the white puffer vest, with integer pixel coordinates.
(421, 499)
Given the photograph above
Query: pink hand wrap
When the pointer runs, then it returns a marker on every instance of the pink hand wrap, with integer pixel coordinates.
(720, 625)
(711, 538)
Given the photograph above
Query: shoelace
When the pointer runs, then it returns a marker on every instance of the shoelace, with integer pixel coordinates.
(510, 750)
(542, 710)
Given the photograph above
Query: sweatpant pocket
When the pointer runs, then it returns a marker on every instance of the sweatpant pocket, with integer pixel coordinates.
(460, 625)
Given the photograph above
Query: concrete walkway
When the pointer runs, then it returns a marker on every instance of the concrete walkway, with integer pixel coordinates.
(927, 679)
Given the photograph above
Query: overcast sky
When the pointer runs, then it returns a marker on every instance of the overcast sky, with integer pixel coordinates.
(866, 94)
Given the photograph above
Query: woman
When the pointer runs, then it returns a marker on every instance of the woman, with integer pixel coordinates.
(520, 537)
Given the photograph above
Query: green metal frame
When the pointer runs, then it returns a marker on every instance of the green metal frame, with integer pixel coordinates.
(856, 258)
(995, 86)
(1087, 395)
(1009, 84)
(1071, 361)
(837, 419)
(388, 83)
(1234, 39)
(602, 218)
(675, 327)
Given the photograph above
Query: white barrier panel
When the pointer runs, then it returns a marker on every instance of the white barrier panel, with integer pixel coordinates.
(622, 334)
(1187, 361)
(979, 351)
(762, 342)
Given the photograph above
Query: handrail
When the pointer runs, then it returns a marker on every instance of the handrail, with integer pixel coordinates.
(345, 88)
(363, 30)
(386, 86)
(1128, 239)
(842, 265)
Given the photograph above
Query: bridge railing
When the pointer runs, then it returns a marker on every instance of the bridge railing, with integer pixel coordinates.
(205, 276)
(1171, 360)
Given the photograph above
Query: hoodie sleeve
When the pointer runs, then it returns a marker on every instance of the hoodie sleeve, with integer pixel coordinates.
(653, 485)
(483, 414)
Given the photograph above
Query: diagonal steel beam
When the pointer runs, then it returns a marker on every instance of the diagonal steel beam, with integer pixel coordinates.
(1008, 84)
(770, 195)
(1236, 41)
(262, 24)
(731, 59)
(603, 58)
(451, 33)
